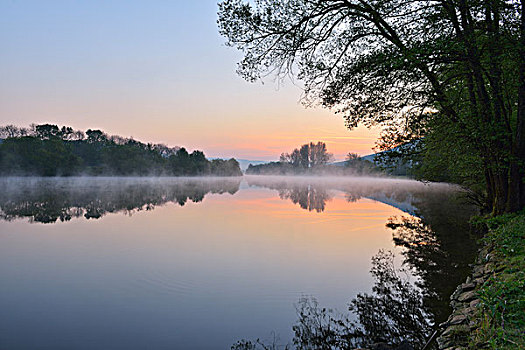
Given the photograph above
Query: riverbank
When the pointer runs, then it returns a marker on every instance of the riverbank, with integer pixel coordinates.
(489, 308)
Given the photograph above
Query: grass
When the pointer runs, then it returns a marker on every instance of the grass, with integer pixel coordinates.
(501, 320)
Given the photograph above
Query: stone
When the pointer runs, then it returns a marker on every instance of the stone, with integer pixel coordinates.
(474, 303)
(454, 330)
(469, 311)
(479, 281)
(444, 342)
(458, 319)
(456, 293)
(468, 286)
(467, 296)
(478, 271)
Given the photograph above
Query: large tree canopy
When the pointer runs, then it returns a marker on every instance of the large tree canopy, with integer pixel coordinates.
(451, 71)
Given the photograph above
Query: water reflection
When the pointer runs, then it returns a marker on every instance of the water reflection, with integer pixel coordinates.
(437, 248)
(433, 238)
(307, 197)
(46, 200)
(313, 193)
(392, 314)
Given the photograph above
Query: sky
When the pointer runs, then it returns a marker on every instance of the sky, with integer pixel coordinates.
(157, 71)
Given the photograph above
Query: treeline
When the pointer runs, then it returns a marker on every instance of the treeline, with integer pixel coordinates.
(309, 158)
(448, 73)
(47, 150)
(313, 159)
(48, 200)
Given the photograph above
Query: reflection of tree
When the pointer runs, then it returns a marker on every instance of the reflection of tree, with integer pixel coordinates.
(352, 197)
(308, 197)
(405, 195)
(437, 248)
(49, 200)
(437, 244)
(439, 258)
(393, 313)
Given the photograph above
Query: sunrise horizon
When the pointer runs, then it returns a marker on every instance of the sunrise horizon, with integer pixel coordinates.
(262, 174)
(171, 80)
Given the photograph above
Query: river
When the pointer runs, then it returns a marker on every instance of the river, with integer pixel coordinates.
(189, 263)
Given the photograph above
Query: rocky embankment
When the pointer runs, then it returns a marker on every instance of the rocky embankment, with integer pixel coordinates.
(465, 303)
(489, 307)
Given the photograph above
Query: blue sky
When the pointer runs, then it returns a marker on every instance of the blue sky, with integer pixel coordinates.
(154, 70)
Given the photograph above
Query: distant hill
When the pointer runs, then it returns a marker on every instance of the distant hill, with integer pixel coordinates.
(397, 167)
(244, 163)
(369, 157)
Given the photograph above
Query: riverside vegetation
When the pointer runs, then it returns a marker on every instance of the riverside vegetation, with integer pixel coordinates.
(446, 78)
(501, 321)
(314, 159)
(47, 150)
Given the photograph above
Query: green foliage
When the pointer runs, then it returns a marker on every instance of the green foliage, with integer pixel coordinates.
(502, 316)
(360, 166)
(47, 150)
(272, 168)
(222, 167)
(446, 156)
(308, 156)
(451, 72)
(312, 158)
(44, 157)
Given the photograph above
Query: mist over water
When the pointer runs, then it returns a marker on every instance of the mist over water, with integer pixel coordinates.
(50, 199)
(47, 200)
(203, 262)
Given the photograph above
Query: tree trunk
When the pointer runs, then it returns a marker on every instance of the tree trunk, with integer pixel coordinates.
(501, 191)
(517, 185)
(520, 134)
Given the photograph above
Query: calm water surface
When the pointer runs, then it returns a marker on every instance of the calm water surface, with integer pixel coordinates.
(120, 263)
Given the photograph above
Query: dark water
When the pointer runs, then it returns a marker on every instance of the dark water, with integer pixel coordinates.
(139, 263)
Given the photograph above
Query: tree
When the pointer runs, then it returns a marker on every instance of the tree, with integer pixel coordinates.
(318, 154)
(452, 66)
(351, 157)
(47, 131)
(310, 155)
(48, 150)
(359, 166)
(221, 167)
(94, 136)
(199, 164)
(12, 131)
(304, 159)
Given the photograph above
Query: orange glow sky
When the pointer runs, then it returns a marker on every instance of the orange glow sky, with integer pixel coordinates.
(156, 71)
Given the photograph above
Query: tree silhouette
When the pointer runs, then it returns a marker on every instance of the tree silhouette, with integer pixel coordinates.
(49, 200)
(47, 150)
(449, 71)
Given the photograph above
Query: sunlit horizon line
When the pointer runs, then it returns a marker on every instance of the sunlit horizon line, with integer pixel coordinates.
(268, 153)
(240, 149)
